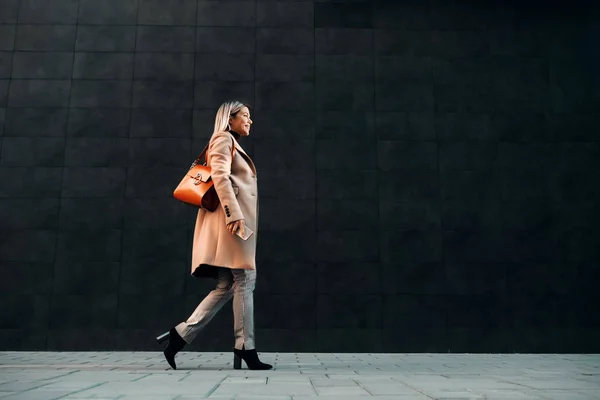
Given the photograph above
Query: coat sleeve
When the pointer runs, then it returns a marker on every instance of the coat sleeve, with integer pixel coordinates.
(219, 152)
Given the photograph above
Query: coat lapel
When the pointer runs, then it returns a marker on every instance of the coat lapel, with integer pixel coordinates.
(246, 156)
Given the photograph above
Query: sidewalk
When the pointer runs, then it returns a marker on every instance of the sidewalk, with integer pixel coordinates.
(145, 376)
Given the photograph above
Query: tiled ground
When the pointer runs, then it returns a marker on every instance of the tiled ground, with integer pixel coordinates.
(145, 376)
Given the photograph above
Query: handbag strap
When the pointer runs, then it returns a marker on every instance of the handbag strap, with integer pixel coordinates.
(203, 154)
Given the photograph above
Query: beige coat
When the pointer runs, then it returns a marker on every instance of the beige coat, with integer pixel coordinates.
(236, 186)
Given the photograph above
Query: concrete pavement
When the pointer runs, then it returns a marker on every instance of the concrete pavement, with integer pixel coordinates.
(302, 376)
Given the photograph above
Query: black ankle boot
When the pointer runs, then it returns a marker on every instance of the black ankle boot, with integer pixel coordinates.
(176, 343)
(251, 359)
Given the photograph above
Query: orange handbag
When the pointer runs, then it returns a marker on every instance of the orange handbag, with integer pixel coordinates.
(197, 187)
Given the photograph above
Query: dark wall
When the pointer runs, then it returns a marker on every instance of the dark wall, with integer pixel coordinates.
(428, 171)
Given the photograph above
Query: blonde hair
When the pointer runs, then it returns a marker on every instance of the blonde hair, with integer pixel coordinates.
(227, 110)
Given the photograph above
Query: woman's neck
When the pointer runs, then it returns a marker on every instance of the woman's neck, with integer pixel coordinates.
(235, 134)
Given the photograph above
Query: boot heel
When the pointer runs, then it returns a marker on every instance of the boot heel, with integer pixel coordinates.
(237, 362)
(250, 357)
(160, 339)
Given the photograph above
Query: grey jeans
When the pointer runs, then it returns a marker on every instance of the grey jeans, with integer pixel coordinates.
(236, 283)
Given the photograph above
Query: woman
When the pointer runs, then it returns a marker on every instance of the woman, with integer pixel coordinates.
(218, 249)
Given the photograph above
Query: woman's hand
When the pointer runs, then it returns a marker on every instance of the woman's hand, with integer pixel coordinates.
(234, 226)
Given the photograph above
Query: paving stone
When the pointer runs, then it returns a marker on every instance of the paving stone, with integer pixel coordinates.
(245, 380)
(71, 385)
(274, 389)
(342, 391)
(379, 389)
(568, 395)
(337, 397)
(38, 395)
(261, 397)
(329, 382)
(454, 395)
(80, 396)
(18, 386)
(508, 394)
(149, 397)
(192, 397)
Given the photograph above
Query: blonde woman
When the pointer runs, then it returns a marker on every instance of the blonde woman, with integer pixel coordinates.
(224, 244)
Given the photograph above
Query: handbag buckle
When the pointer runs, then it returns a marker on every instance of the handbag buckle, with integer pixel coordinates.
(197, 179)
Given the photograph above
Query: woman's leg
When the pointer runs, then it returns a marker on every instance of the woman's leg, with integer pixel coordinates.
(208, 308)
(244, 281)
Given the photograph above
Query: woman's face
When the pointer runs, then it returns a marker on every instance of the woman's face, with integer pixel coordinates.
(241, 122)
